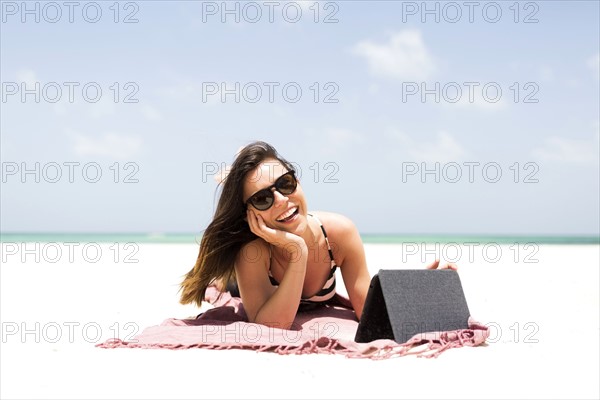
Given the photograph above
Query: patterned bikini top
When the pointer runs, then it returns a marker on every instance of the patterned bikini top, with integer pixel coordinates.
(328, 290)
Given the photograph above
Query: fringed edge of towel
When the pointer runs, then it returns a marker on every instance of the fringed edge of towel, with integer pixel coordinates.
(427, 345)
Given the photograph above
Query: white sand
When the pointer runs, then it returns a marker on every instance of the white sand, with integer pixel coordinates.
(544, 318)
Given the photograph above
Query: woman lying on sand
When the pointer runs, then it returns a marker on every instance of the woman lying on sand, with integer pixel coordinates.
(264, 241)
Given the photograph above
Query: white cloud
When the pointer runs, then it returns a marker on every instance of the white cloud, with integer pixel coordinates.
(594, 64)
(28, 76)
(514, 65)
(572, 82)
(546, 73)
(334, 141)
(404, 56)
(570, 151)
(60, 108)
(306, 5)
(476, 100)
(205, 93)
(110, 145)
(373, 88)
(102, 108)
(444, 148)
(183, 90)
(151, 113)
(342, 136)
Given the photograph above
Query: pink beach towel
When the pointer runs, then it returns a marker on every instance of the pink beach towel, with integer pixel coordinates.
(326, 329)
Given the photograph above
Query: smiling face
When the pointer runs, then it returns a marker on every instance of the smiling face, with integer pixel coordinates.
(288, 212)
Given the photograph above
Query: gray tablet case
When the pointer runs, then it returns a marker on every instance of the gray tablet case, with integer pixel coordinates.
(402, 303)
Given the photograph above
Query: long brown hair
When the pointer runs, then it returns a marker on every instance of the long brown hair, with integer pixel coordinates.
(228, 231)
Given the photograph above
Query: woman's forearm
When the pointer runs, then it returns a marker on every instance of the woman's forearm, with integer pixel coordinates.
(280, 309)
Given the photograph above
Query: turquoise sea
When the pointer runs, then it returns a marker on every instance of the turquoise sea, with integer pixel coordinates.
(191, 238)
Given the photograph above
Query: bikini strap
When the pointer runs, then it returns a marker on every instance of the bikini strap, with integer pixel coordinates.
(326, 239)
(333, 264)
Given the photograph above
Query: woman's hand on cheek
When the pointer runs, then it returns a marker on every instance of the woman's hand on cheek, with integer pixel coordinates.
(258, 226)
(277, 237)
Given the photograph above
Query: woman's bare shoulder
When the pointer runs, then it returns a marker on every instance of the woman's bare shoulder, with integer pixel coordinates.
(343, 235)
(335, 224)
(256, 250)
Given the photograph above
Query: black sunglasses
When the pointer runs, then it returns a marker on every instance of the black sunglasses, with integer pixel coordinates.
(263, 199)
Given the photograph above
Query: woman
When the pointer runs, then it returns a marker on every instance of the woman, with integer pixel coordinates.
(280, 254)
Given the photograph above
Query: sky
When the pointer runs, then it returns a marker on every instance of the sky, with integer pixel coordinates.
(407, 117)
